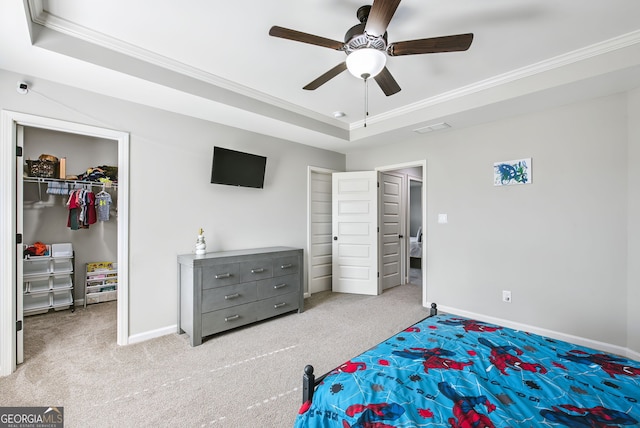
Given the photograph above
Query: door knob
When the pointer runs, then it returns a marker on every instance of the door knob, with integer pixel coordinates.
(335, 238)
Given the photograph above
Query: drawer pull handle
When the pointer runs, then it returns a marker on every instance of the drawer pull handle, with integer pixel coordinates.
(231, 296)
(275, 287)
(231, 318)
(257, 270)
(223, 275)
(279, 305)
(287, 266)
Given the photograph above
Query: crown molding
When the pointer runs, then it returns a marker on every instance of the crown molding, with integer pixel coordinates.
(40, 16)
(554, 63)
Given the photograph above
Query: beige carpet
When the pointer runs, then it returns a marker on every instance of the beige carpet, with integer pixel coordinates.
(250, 377)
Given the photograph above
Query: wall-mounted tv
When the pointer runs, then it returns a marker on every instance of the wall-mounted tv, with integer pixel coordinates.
(235, 168)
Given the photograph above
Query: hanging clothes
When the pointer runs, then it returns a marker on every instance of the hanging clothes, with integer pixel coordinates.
(58, 188)
(103, 205)
(82, 209)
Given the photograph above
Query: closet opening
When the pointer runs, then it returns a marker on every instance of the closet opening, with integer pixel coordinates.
(61, 245)
(69, 227)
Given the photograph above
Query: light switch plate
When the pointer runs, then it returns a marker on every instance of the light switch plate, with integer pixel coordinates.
(442, 219)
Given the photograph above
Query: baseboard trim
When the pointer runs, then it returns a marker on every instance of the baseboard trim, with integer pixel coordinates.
(578, 340)
(148, 335)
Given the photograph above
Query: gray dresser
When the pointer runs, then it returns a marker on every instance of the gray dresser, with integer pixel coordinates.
(221, 291)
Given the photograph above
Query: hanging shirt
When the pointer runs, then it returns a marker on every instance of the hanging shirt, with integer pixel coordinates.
(103, 204)
(90, 217)
(74, 210)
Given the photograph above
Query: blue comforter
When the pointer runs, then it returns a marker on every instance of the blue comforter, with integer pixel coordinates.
(454, 372)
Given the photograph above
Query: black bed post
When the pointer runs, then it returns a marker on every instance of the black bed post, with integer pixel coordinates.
(308, 384)
(434, 309)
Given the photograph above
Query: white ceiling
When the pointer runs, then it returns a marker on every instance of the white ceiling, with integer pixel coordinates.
(216, 61)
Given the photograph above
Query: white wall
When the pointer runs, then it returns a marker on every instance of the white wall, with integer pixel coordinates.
(170, 193)
(558, 244)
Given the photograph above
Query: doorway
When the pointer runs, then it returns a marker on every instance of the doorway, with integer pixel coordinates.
(319, 208)
(413, 268)
(416, 233)
(392, 229)
(11, 223)
(412, 172)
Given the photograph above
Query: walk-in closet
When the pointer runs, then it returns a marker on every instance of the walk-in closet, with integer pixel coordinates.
(70, 221)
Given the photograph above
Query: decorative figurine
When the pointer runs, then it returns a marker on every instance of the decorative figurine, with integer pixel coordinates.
(201, 246)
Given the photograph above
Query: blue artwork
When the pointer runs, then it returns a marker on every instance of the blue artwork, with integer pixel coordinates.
(512, 172)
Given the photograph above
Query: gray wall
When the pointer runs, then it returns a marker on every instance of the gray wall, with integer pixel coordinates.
(171, 196)
(559, 244)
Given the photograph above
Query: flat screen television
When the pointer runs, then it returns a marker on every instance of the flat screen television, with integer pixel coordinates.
(235, 168)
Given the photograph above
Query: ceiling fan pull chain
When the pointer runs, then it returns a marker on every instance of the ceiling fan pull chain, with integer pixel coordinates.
(365, 77)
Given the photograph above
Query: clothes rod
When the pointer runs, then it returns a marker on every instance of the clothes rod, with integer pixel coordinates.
(106, 185)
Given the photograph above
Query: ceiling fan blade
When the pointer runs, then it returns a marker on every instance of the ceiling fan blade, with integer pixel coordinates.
(299, 36)
(387, 83)
(326, 76)
(380, 15)
(459, 42)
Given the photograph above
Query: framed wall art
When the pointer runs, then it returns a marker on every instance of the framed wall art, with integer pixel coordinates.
(512, 172)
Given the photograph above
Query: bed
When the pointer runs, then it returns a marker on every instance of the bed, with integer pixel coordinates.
(415, 245)
(451, 371)
(415, 249)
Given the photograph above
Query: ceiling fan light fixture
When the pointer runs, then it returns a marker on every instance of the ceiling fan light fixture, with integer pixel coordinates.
(366, 62)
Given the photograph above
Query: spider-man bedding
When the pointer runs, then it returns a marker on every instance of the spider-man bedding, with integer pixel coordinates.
(455, 372)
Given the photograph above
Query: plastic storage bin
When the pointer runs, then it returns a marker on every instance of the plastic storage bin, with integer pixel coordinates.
(62, 281)
(62, 266)
(62, 298)
(36, 267)
(61, 250)
(38, 285)
(31, 257)
(36, 301)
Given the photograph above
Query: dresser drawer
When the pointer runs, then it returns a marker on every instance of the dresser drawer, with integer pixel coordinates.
(225, 319)
(255, 270)
(285, 266)
(276, 305)
(225, 297)
(278, 286)
(220, 275)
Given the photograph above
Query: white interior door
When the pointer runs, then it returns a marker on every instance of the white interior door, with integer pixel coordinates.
(355, 232)
(391, 230)
(19, 251)
(319, 231)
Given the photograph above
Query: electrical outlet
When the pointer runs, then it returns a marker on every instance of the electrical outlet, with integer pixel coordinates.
(506, 296)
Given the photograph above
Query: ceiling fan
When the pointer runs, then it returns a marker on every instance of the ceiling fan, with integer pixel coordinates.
(366, 46)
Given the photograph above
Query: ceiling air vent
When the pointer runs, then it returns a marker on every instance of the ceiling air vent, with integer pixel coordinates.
(434, 127)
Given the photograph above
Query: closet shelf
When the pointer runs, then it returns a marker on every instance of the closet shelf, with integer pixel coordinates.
(109, 185)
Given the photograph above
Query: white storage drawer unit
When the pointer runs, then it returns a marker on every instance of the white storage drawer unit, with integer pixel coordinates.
(221, 291)
(48, 280)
